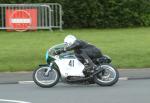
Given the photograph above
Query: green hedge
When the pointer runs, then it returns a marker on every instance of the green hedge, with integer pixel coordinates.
(101, 13)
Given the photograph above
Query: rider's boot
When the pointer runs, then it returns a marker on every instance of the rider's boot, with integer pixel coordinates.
(89, 68)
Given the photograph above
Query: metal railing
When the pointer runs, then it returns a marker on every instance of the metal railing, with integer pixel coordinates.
(49, 15)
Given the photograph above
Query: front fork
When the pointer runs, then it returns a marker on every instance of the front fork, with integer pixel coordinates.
(49, 69)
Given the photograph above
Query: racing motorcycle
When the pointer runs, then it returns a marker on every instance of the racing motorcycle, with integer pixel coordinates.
(67, 68)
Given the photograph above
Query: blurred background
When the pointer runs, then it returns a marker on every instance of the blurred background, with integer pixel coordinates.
(120, 28)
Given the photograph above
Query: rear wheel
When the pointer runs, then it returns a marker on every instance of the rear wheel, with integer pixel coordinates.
(43, 80)
(108, 77)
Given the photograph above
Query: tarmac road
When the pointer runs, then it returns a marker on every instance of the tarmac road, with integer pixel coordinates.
(15, 77)
(129, 91)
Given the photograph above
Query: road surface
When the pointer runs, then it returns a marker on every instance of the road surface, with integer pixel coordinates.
(128, 91)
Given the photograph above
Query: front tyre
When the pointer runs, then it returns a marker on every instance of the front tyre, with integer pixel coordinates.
(43, 80)
(108, 77)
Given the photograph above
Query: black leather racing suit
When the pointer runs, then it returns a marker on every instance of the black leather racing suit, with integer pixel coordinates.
(85, 52)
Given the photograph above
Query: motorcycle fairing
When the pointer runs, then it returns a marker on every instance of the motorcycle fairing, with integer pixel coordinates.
(70, 67)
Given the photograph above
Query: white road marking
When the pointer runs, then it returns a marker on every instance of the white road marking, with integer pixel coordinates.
(123, 78)
(30, 82)
(13, 101)
(25, 82)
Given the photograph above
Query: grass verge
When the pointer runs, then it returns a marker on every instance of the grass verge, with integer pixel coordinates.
(23, 51)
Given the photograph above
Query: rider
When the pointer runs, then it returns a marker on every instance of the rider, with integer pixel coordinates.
(84, 51)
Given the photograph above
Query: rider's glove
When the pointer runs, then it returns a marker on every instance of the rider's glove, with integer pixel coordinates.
(59, 51)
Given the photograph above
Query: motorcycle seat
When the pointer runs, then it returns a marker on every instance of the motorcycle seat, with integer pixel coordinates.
(103, 59)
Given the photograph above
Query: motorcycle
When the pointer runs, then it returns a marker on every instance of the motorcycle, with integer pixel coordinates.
(69, 69)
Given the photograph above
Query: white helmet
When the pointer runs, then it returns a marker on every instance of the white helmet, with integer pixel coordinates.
(69, 40)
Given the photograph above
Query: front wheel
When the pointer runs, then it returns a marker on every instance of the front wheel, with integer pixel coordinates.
(43, 80)
(108, 77)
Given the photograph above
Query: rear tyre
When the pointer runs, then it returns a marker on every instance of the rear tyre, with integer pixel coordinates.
(108, 77)
(46, 81)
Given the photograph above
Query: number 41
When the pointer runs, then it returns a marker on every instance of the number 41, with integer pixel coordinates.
(71, 63)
